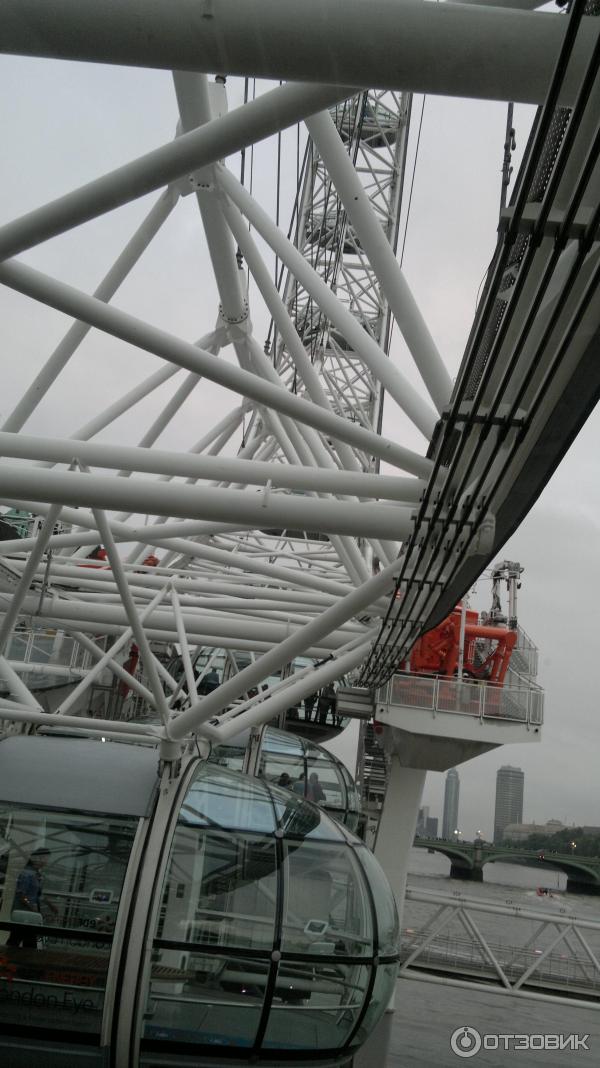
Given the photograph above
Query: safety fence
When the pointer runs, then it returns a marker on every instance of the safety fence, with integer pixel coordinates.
(523, 703)
(521, 949)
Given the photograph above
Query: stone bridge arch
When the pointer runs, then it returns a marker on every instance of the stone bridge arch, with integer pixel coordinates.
(467, 862)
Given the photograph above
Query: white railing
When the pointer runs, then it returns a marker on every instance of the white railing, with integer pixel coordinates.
(462, 936)
(521, 704)
(524, 657)
(49, 653)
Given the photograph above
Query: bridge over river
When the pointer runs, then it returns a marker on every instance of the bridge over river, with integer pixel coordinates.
(468, 858)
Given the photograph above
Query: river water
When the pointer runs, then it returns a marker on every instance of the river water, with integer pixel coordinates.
(511, 884)
(418, 1033)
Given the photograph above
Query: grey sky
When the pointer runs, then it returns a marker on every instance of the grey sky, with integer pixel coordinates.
(65, 123)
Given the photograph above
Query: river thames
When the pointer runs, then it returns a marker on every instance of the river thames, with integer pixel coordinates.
(419, 1031)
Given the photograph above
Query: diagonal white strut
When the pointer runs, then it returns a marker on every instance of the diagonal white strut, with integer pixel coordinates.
(399, 388)
(176, 160)
(184, 354)
(382, 258)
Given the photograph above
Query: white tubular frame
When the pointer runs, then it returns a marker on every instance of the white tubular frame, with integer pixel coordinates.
(377, 44)
(383, 261)
(267, 535)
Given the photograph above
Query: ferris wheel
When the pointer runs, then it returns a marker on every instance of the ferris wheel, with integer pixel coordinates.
(300, 312)
(233, 463)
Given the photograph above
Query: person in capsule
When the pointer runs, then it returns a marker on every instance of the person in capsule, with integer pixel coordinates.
(28, 900)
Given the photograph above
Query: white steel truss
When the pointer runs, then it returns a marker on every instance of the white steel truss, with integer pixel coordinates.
(461, 940)
(289, 545)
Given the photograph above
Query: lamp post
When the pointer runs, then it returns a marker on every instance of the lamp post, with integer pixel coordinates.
(572, 846)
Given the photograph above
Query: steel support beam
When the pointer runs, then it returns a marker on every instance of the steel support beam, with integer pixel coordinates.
(122, 266)
(230, 506)
(340, 664)
(318, 629)
(217, 468)
(205, 628)
(106, 659)
(402, 391)
(29, 570)
(276, 110)
(206, 592)
(382, 258)
(224, 558)
(16, 686)
(451, 49)
(118, 323)
(79, 723)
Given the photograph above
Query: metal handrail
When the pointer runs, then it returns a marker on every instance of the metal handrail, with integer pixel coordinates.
(552, 960)
(525, 655)
(521, 704)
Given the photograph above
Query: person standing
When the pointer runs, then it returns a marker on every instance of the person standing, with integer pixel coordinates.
(210, 682)
(28, 897)
(314, 790)
(299, 786)
(309, 704)
(326, 704)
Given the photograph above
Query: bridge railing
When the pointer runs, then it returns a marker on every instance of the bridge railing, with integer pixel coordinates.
(521, 704)
(521, 950)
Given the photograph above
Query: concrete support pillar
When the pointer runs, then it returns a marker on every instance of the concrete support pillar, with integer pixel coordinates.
(576, 887)
(398, 823)
(472, 875)
(397, 827)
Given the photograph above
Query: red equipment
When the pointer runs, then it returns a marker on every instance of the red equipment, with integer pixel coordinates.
(487, 649)
(149, 561)
(130, 666)
(99, 553)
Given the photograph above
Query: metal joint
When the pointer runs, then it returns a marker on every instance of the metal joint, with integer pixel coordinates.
(235, 320)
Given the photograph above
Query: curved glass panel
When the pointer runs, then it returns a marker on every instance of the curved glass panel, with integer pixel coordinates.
(209, 999)
(63, 876)
(284, 770)
(265, 938)
(385, 905)
(351, 821)
(383, 988)
(325, 785)
(219, 798)
(315, 1005)
(276, 741)
(228, 756)
(353, 800)
(326, 907)
(310, 771)
(296, 817)
(220, 890)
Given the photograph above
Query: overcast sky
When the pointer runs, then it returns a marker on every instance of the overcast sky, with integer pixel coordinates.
(65, 123)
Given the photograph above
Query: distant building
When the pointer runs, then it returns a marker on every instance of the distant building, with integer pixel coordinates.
(422, 820)
(427, 826)
(509, 799)
(431, 826)
(451, 792)
(518, 832)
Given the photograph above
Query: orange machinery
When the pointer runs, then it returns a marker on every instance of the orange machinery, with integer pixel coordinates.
(487, 649)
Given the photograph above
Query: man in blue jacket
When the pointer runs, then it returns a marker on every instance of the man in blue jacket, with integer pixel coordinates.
(28, 897)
